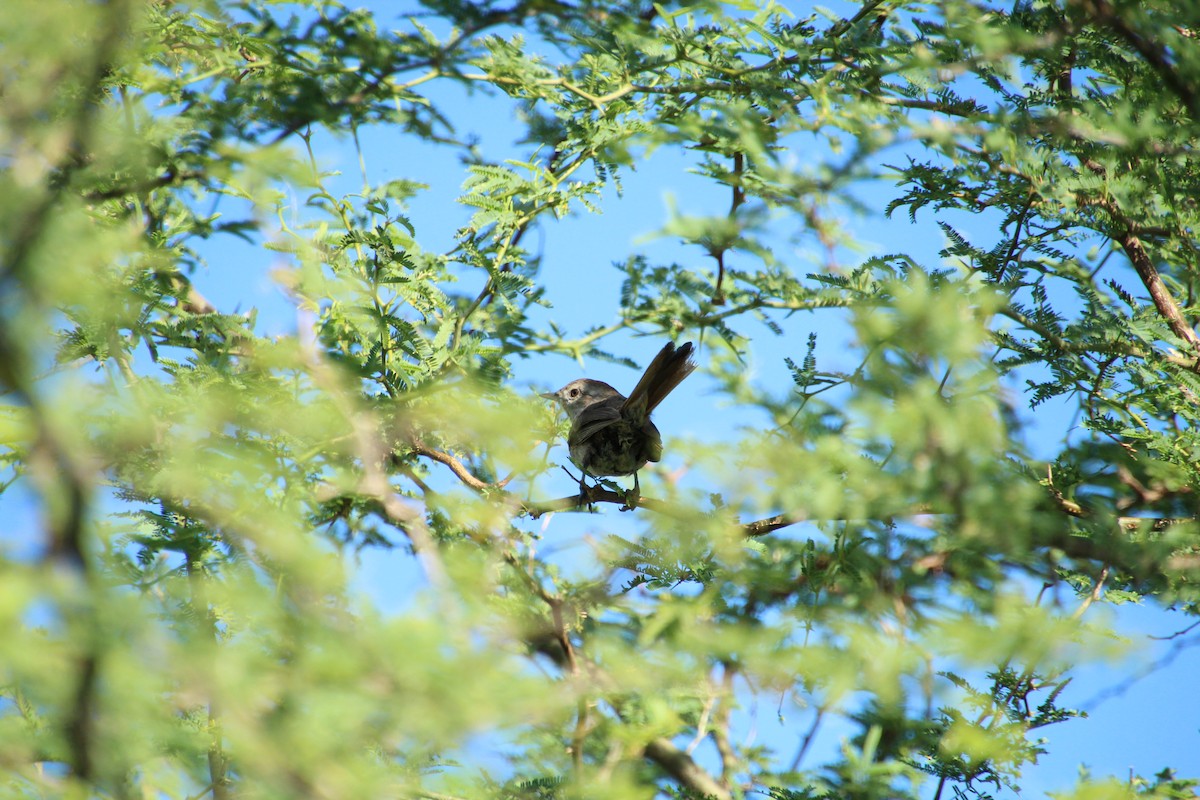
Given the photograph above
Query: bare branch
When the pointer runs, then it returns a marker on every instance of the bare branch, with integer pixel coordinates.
(1159, 293)
(456, 466)
(1093, 595)
(680, 766)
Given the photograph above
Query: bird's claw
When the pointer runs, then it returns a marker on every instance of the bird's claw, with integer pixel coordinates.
(633, 496)
(586, 493)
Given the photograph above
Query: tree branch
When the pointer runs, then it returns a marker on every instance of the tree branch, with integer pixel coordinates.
(680, 766)
(722, 724)
(206, 625)
(1103, 13)
(594, 495)
(168, 178)
(1069, 507)
(1159, 293)
(460, 471)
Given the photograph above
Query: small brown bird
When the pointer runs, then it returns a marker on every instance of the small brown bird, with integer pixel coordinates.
(612, 434)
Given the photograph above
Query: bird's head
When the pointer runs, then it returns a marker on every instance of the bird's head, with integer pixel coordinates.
(579, 394)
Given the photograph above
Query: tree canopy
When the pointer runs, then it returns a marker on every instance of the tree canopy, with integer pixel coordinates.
(900, 544)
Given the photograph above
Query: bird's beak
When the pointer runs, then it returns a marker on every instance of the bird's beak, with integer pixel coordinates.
(549, 395)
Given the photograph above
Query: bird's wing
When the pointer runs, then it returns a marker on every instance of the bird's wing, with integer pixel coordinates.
(653, 442)
(595, 417)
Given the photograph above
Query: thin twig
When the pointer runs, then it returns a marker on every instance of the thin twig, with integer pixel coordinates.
(1094, 595)
(1177, 634)
(808, 740)
(374, 482)
(460, 471)
(702, 723)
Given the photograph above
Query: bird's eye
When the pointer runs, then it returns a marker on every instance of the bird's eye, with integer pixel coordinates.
(574, 393)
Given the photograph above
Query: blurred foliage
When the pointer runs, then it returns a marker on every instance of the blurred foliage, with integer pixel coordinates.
(178, 615)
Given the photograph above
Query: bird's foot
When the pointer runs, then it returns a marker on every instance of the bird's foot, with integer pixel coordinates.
(587, 493)
(633, 496)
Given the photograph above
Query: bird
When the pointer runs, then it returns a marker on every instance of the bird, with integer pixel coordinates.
(612, 434)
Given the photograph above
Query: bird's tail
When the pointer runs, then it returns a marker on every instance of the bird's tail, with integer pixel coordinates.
(666, 371)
